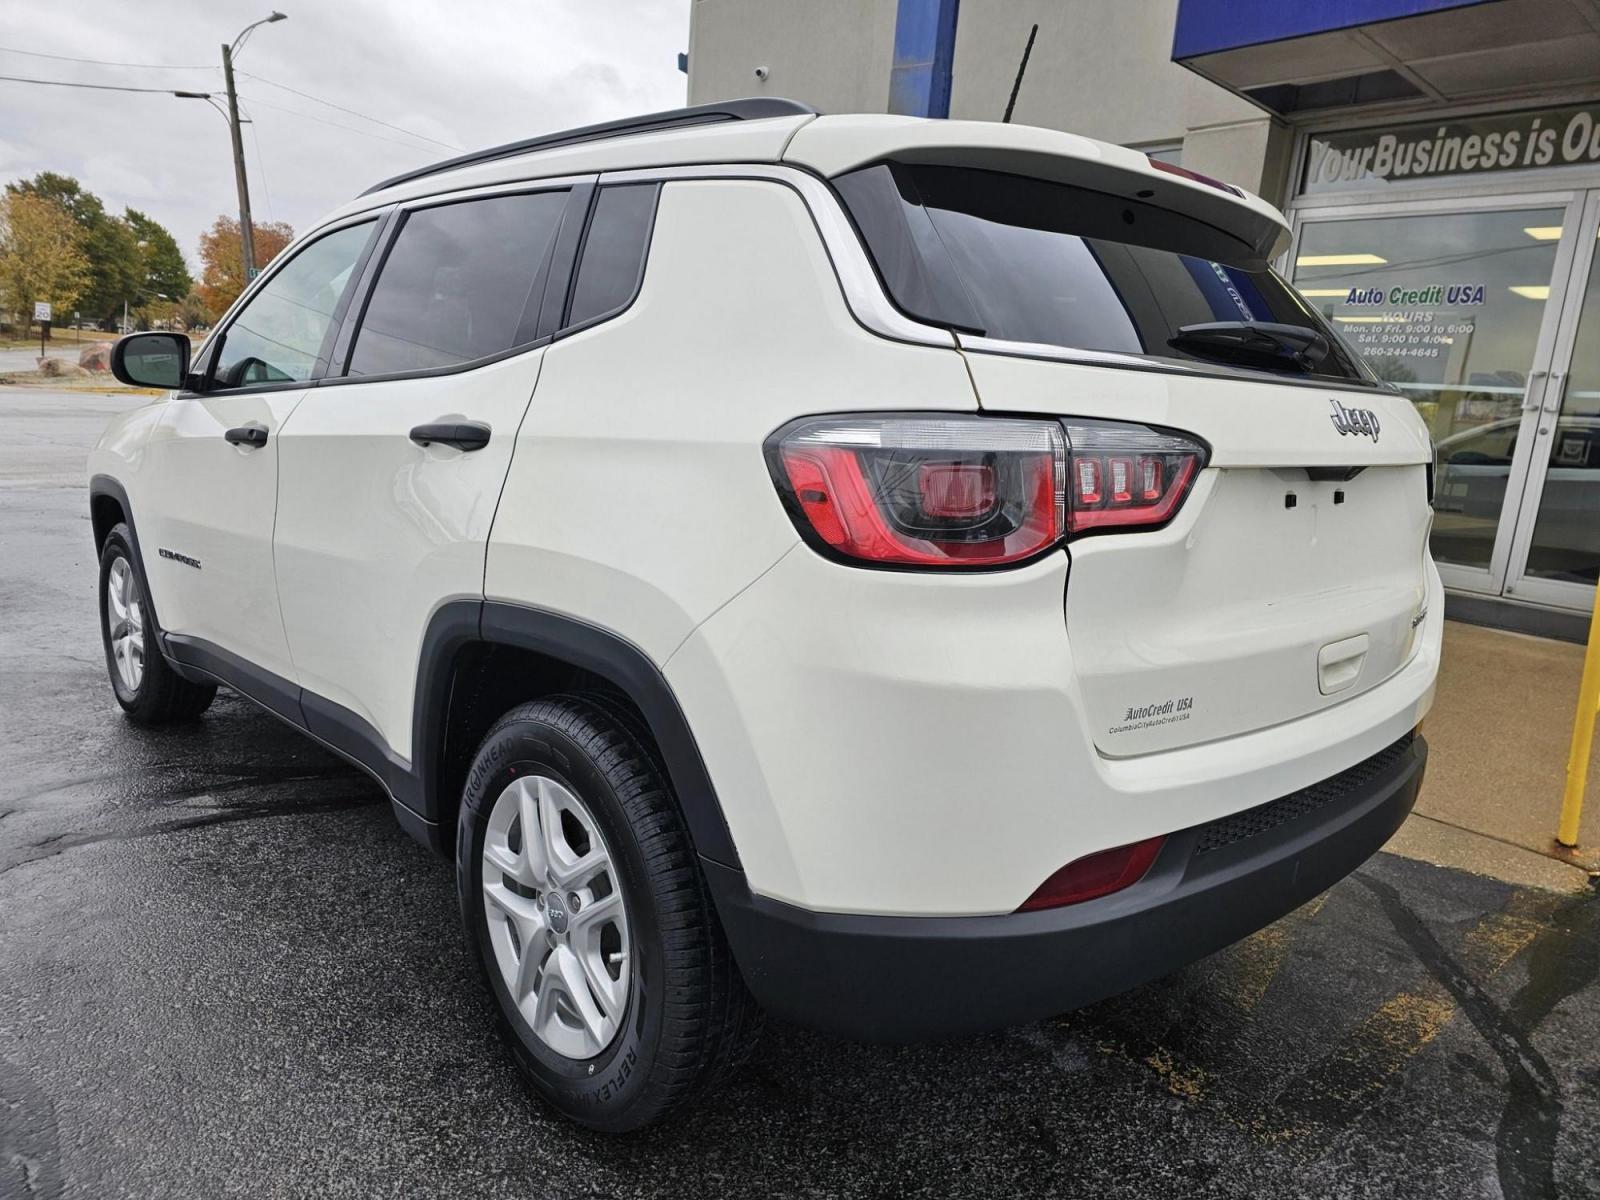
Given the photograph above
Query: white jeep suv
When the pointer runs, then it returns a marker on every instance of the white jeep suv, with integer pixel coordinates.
(909, 576)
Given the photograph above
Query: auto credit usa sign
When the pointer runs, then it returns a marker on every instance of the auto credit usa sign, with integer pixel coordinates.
(1364, 158)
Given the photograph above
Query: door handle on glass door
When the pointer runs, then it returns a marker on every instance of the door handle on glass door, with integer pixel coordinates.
(463, 435)
(1532, 398)
(1553, 397)
(253, 436)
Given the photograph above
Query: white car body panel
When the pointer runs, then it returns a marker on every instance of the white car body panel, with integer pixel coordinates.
(200, 497)
(376, 532)
(639, 499)
(926, 748)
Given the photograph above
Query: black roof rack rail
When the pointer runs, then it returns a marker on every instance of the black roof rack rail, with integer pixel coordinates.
(753, 109)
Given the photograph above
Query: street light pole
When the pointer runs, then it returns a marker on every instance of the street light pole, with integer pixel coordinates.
(247, 241)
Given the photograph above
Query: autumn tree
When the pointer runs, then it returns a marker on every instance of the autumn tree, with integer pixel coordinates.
(108, 243)
(162, 271)
(222, 259)
(41, 255)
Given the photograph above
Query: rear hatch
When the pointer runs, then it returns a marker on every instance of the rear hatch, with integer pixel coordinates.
(1292, 573)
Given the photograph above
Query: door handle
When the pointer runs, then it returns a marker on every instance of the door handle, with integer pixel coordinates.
(1553, 394)
(463, 435)
(254, 436)
(1532, 397)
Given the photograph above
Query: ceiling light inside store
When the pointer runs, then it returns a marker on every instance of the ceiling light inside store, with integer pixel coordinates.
(1324, 291)
(1339, 260)
(1543, 233)
(1532, 291)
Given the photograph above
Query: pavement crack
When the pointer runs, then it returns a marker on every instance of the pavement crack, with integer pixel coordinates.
(1530, 1122)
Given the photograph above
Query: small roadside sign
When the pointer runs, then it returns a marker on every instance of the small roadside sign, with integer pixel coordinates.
(41, 310)
(254, 271)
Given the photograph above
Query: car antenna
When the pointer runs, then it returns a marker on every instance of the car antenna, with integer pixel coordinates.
(1016, 87)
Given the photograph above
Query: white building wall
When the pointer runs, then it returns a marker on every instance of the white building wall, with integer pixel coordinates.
(834, 55)
(1099, 67)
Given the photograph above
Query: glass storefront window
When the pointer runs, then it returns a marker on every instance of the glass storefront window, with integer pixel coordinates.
(1566, 534)
(1448, 307)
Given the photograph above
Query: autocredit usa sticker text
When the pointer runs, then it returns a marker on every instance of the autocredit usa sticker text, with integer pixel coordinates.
(1164, 712)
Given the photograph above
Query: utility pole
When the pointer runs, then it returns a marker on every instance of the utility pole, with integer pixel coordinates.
(247, 238)
(246, 231)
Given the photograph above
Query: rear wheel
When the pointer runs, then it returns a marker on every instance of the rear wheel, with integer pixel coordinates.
(146, 686)
(581, 894)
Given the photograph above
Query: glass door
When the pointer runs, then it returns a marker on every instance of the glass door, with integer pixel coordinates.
(1556, 555)
(1452, 303)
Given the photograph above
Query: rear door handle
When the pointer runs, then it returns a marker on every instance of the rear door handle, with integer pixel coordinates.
(463, 435)
(254, 436)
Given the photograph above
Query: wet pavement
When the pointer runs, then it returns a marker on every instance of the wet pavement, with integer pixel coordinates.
(224, 970)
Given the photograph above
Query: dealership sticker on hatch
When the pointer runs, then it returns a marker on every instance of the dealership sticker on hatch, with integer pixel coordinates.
(1147, 716)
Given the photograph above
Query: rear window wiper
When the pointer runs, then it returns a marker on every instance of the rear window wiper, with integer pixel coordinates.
(1255, 344)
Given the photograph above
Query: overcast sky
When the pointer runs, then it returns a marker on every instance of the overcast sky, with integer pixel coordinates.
(467, 73)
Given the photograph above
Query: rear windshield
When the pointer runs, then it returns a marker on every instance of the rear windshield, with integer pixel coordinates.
(1028, 260)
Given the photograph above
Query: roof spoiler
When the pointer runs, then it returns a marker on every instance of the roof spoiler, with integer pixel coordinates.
(833, 145)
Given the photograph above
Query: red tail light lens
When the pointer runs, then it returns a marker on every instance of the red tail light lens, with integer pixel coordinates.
(1127, 476)
(1094, 876)
(930, 491)
(969, 491)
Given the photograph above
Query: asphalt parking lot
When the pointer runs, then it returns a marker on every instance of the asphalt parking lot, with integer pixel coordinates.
(224, 970)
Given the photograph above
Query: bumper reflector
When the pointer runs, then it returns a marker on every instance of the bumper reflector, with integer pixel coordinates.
(1095, 875)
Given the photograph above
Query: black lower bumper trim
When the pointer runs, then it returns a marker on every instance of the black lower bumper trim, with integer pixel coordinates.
(879, 978)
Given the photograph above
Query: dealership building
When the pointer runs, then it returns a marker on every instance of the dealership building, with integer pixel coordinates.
(1439, 161)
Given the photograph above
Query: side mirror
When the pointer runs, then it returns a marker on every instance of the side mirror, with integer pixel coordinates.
(159, 360)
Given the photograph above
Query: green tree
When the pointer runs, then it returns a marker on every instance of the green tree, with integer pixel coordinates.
(108, 242)
(162, 269)
(41, 256)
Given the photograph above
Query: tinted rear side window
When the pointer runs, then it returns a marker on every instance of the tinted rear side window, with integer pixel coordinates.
(461, 282)
(613, 251)
(1028, 260)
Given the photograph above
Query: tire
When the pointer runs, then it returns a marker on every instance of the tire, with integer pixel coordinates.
(151, 693)
(683, 1017)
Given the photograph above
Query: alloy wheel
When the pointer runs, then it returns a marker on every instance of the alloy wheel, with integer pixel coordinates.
(125, 623)
(556, 916)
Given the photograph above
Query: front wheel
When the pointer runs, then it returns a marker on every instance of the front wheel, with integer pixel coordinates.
(582, 897)
(146, 686)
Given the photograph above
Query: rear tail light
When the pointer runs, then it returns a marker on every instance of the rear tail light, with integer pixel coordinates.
(1127, 476)
(1094, 876)
(925, 491)
(970, 491)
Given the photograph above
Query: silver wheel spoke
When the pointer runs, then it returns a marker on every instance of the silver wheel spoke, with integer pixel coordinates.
(576, 985)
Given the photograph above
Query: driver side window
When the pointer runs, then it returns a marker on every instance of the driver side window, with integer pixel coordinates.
(278, 335)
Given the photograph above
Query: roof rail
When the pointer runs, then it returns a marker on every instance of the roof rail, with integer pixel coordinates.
(752, 109)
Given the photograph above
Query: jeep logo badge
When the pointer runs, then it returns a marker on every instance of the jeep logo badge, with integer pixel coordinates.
(1359, 421)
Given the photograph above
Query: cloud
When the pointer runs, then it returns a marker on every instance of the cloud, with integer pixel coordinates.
(468, 73)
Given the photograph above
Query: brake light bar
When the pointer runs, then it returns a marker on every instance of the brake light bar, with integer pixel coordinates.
(1194, 177)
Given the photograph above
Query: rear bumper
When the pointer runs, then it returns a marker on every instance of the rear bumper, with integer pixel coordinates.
(879, 978)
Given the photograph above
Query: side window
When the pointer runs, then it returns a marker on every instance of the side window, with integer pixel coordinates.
(278, 335)
(461, 282)
(614, 251)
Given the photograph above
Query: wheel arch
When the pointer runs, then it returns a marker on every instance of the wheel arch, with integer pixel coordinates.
(481, 657)
(109, 507)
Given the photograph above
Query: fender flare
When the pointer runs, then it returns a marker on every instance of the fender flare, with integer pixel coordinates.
(105, 485)
(458, 624)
